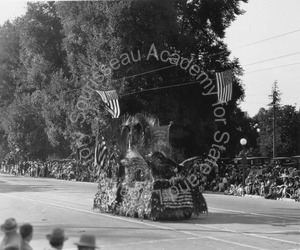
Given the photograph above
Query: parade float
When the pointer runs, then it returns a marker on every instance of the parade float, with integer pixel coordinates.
(144, 182)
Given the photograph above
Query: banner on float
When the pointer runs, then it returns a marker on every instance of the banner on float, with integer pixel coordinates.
(160, 139)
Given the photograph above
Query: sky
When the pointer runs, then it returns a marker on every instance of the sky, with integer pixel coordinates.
(268, 21)
(264, 20)
(10, 9)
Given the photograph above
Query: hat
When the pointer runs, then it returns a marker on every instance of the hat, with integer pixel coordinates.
(87, 241)
(57, 236)
(9, 225)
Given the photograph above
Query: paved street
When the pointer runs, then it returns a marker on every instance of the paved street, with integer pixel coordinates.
(232, 222)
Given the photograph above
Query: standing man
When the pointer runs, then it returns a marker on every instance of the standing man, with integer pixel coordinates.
(11, 236)
(86, 242)
(56, 239)
(26, 231)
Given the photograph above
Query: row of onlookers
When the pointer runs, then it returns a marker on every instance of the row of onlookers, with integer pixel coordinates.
(67, 170)
(19, 238)
(267, 181)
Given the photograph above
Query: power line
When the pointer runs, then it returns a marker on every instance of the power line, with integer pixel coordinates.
(149, 85)
(135, 92)
(274, 58)
(164, 87)
(144, 73)
(150, 71)
(250, 44)
(267, 39)
(170, 66)
(242, 46)
(286, 65)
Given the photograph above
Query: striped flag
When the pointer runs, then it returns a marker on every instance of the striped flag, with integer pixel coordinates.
(101, 155)
(110, 98)
(224, 85)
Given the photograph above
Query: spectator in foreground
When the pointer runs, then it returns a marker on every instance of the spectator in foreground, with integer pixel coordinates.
(26, 233)
(56, 239)
(86, 242)
(11, 247)
(11, 237)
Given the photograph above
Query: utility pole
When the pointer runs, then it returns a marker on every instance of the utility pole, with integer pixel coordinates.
(274, 130)
(275, 96)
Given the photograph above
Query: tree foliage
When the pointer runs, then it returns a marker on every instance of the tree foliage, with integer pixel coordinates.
(9, 61)
(59, 52)
(26, 127)
(286, 131)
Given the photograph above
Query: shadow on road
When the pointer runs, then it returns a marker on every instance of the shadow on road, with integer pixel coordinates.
(276, 220)
(8, 187)
(23, 188)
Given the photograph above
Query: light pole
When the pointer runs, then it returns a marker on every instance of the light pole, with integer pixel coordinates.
(243, 142)
(260, 147)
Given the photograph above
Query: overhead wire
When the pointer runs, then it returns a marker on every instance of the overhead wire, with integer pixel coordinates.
(149, 85)
(147, 72)
(267, 39)
(246, 45)
(286, 65)
(274, 58)
(164, 87)
(193, 82)
(140, 91)
(242, 46)
(270, 59)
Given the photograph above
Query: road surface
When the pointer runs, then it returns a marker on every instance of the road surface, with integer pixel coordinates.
(232, 222)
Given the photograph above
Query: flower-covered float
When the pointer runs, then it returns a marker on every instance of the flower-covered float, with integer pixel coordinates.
(146, 183)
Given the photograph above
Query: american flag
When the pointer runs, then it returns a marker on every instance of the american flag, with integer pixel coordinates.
(110, 98)
(101, 155)
(224, 85)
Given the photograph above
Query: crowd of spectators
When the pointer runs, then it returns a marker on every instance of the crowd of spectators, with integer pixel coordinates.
(270, 182)
(19, 238)
(66, 170)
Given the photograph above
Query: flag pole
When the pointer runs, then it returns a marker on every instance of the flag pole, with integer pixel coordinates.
(96, 143)
(97, 129)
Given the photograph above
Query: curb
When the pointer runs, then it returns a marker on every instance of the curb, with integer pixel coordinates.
(249, 196)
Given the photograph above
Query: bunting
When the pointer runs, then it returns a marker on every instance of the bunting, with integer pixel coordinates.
(160, 139)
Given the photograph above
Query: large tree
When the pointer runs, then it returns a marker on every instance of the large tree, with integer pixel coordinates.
(287, 124)
(41, 46)
(26, 127)
(35, 62)
(9, 63)
(59, 47)
(101, 31)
